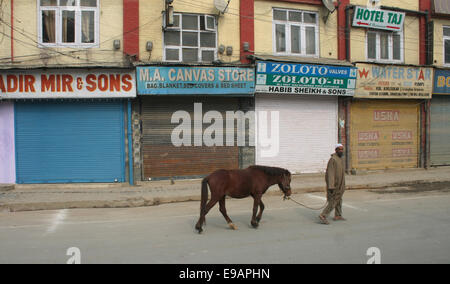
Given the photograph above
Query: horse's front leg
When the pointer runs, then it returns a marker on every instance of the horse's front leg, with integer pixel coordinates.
(223, 210)
(256, 202)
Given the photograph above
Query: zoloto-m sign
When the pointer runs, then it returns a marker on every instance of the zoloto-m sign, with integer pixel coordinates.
(47, 84)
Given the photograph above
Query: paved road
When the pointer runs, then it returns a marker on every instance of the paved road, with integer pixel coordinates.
(405, 227)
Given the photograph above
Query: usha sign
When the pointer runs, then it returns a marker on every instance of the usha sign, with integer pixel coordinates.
(378, 19)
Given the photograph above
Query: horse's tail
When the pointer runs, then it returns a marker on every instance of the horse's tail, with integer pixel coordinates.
(204, 195)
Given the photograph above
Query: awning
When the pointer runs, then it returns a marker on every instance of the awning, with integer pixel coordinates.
(441, 7)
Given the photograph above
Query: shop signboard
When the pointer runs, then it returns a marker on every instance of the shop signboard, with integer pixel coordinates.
(305, 79)
(378, 19)
(441, 82)
(393, 82)
(67, 83)
(195, 80)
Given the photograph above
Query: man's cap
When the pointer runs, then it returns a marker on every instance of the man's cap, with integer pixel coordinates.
(338, 145)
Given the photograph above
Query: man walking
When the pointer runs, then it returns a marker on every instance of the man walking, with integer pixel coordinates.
(335, 179)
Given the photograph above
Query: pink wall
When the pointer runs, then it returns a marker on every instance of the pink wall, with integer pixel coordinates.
(7, 150)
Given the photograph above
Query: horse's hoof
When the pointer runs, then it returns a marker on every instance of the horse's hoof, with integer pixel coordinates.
(232, 226)
(200, 230)
(255, 225)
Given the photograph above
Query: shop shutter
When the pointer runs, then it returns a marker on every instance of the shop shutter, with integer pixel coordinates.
(162, 159)
(384, 134)
(440, 131)
(307, 131)
(7, 163)
(66, 141)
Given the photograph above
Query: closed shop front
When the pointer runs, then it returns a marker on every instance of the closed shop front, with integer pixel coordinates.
(161, 156)
(440, 120)
(299, 105)
(384, 134)
(7, 159)
(307, 131)
(61, 142)
(385, 116)
(62, 136)
(184, 120)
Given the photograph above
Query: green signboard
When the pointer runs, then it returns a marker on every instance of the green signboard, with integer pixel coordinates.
(305, 79)
(378, 19)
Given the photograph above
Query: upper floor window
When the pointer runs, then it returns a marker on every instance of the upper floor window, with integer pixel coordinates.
(446, 39)
(68, 22)
(384, 46)
(296, 32)
(192, 38)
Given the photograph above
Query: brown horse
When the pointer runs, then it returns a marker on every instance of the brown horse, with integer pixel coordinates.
(253, 181)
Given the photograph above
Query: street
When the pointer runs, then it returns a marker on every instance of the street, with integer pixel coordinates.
(406, 227)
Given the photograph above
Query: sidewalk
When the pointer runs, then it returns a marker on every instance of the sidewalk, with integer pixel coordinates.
(62, 196)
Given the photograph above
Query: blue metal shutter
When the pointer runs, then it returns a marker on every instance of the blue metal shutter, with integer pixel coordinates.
(67, 141)
(440, 131)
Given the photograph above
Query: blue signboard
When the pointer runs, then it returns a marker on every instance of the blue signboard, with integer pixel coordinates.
(158, 80)
(442, 82)
(291, 78)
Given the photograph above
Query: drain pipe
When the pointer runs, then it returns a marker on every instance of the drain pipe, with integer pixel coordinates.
(347, 31)
(130, 145)
(12, 31)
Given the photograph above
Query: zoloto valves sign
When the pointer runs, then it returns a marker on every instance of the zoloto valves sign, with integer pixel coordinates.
(305, 79)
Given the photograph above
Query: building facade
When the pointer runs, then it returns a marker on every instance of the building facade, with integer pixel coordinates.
(439, 116)
(190, 81)
(387, 118)
(134, 90)
(300, 82)
(65, 88)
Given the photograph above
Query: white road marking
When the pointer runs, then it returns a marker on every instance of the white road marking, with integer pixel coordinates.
(400, 199)
(343, 204)
(57, 220)
(62, 214)
(55, 224)
(249, 210)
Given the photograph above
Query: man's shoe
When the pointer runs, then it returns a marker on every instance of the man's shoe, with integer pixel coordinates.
(323, 220)
(339, 218)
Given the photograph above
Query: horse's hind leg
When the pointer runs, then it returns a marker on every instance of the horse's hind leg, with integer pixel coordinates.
(256, 203)
(208, 207)
(223, 210)
(261, 209)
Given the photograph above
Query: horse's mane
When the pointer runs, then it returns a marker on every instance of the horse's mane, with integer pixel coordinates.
(271, 171)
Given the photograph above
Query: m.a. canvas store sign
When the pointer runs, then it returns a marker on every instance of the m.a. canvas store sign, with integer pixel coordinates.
(38, 84)
(378, 19)
(196, 80)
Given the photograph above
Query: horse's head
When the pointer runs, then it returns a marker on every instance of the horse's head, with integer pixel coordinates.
(285, 183)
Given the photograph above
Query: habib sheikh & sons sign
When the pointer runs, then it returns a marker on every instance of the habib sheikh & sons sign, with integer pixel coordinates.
(305, 79)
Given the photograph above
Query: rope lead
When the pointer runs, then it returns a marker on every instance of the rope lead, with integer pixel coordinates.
(301, 204)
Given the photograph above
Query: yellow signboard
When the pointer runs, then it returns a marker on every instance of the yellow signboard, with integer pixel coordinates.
(384, 134)
(393, 82)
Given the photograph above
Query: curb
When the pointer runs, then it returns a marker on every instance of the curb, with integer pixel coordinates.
(126, 203)
(158, 200)
(7, 187)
